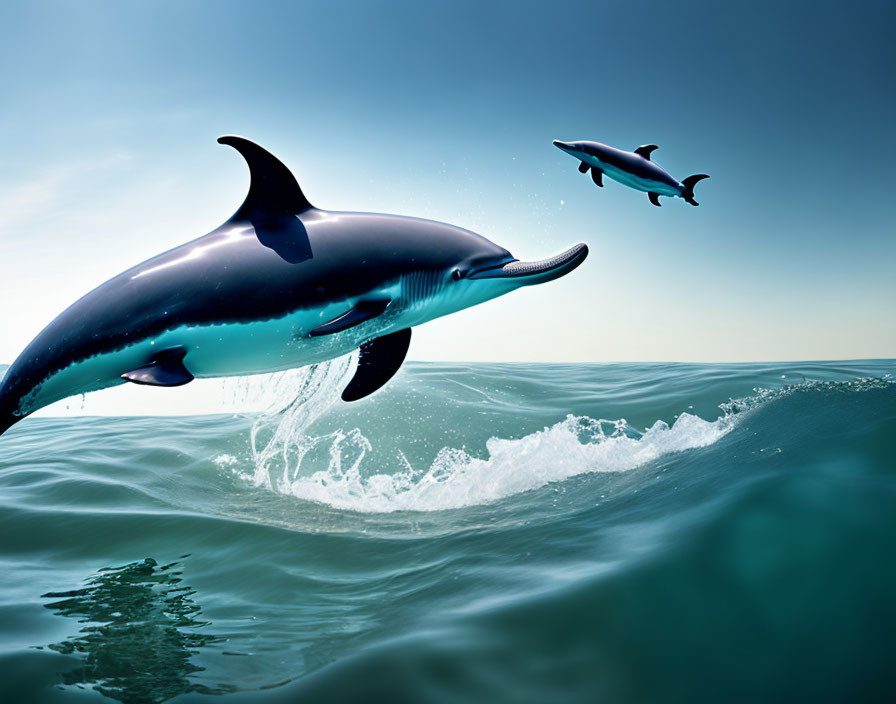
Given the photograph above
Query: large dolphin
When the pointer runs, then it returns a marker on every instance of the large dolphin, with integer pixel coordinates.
(633, 169)
(279, 285)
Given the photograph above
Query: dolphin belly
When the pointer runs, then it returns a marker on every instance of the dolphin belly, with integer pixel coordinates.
(222, 350)
(254, 348)
(646, 185)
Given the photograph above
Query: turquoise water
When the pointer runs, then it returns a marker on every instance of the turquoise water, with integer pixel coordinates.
(495, 533)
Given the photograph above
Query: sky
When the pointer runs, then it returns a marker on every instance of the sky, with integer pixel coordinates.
(446, 110)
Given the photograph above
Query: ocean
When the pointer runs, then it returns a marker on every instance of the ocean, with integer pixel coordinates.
(473, 532)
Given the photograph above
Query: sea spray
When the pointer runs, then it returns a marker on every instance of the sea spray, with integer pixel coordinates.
(456, 479)
(328, 468)
(280, 433)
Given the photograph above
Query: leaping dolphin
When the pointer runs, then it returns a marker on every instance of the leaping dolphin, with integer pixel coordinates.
(633, 169)
(281, 284)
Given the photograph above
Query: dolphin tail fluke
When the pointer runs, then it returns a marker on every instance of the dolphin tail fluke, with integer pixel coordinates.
(7, 420)
(689, 183)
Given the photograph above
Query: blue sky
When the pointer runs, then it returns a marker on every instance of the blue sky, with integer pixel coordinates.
(447, 110)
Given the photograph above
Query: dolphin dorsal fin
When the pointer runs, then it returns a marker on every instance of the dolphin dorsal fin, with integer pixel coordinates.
(273, 190)
(644, 150)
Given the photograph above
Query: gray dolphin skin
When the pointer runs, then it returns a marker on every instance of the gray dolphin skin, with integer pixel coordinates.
(281, 284)
(633, 169)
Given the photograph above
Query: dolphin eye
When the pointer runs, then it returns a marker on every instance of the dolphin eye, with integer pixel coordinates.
(457, 274)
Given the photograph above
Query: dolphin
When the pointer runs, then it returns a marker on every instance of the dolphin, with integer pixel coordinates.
(633, 169)
(281, 284)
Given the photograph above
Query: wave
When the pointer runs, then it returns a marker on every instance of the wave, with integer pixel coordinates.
(282, 445)
(456, 479)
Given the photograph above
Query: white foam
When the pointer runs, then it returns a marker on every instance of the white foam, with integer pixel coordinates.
(455, 479)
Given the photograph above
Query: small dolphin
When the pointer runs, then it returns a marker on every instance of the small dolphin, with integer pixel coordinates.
(281, 284)
(633, 169)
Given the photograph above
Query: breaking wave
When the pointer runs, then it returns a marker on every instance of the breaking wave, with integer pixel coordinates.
(285, 454)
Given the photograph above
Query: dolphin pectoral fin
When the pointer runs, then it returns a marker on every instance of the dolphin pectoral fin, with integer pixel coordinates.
(597, 176)
(364, 310)
(645, 149)
(583, 167)
(166, 369)
(654, 198)
(380, 359)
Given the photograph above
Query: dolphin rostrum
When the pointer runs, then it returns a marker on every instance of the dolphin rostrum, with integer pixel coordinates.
(633, 169)
(281, 284)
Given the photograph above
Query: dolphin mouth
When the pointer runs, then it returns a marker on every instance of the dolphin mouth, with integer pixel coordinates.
(537, 271)
(563, 145)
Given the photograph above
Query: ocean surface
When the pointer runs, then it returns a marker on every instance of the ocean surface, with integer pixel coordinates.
(473, 532)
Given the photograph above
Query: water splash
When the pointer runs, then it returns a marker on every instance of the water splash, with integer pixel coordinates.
(456, 479)
(282, 446)
(280, 437)
(287, 456)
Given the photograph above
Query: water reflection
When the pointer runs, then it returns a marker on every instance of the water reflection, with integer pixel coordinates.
(139, 635)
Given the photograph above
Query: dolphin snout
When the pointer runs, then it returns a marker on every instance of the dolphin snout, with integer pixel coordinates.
(536, 272)
(563, 145)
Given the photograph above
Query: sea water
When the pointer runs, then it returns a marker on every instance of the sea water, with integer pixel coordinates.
(473, 532)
